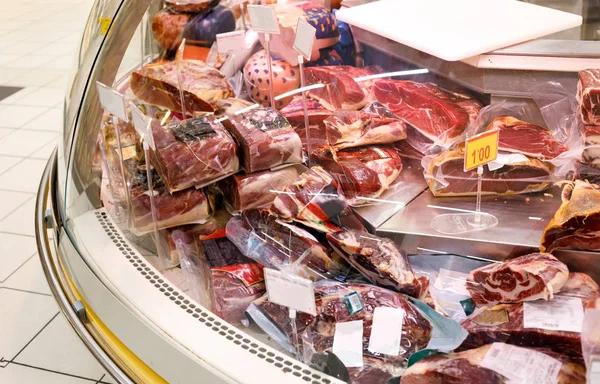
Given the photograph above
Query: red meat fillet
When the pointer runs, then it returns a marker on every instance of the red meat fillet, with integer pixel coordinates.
(526, 278)
(588, 96)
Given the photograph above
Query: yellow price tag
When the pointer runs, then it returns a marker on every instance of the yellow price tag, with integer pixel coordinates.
(481, 149)
(104, 24)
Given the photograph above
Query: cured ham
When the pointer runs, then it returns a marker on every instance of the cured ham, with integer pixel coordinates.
(526, 278)
(317, 114)
(591, 152)
(588, 96)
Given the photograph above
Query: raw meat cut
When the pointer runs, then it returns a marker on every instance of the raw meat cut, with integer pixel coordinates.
(470, 367)
(446, 177)
(292, 244)
(244, 191)
(318, 332)
(317, 114)
(193, 152)
(591, 152)
(167, 28)
(265, 138)
(341, 91)
(576, 223)
(236, 281)
(588, 96)
(526, 138)
(256, 76)
(202, 86)
(526, 278)
(314, 200)
(361, 172)
(440, 115)
(505, 322)
(379, 260)
(373, 125)
(170, 209)
(184, 238)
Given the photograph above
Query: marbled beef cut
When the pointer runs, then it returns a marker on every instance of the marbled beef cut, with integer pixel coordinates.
(446, 177)
(526, 138)
(591, 152)
(440, 115)
(526, 278)
(361, 172)
(193, 152)
(505, 322)
(588, 96)
(341, 91)
(266, 139)
(576, 223)
(202, 86)
(469, 367)
(244, 191)
(380, 261)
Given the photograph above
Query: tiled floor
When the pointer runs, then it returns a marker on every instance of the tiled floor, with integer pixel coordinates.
(37, 41)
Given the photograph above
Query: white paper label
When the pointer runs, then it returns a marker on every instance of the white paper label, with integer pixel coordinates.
(290, 291)
(452, 281)
(562, 313)
(263, 19)
(112, 101)
(504, 159)
(305, 38)
(347, 343)
(141, 123)
(593, 376)
(231, 42)
(386, 331)
(521, 365)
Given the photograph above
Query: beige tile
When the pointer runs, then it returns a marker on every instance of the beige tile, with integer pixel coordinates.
(21, 221)
(14, 180)
(10, 201)
(24, 143)
(14, 252)
(13, 116)
(29, 277)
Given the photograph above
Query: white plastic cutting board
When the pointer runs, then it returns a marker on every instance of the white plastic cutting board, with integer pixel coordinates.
(457, 29)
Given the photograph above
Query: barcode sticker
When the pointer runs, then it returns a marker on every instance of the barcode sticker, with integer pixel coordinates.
(290, 291)
(347, 343)
(562, 313)
(386, 331)
(112, 101)
(263, 19)
(521, 365)
(353, 303)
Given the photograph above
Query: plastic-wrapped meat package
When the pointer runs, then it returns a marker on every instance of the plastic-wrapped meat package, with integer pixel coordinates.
(317, 114)
(446, 176)
(576, 223)
(283, 246)
(167, 28)
(379, 260)
(317, 15)
(526, 278)
(375, 124)
(159, 84)
(253, 190)
(236, 281)
(314, 200)
(227, 107)
(591, 152)
(340, 90)
(511, 324)
(183, 207)
(265, 138)
(588, 96)
(590, 338)
(364, 172)
(496, 363)
(440, 115)
(193, 152)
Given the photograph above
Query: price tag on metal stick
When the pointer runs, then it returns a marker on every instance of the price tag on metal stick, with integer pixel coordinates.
(481, 149)
(141, 123)
(290, 291)
(263, 19)
(112, 101)
(305, 38)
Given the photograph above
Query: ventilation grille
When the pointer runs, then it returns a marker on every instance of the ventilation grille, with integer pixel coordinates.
(206, 318)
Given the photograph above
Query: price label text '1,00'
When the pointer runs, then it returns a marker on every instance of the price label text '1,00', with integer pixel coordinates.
(481, 149)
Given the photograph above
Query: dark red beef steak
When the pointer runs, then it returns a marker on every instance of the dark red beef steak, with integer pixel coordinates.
(526, 278)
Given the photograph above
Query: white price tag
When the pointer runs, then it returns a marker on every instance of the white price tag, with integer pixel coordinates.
(347, 343)
(231, 42)
(386, 331)
(521, 365)
(263, 19)
(112, 101)
(305, 38)
(452, 281)
(562, 313)
(290, 291)
(594, 373)
(141, 123)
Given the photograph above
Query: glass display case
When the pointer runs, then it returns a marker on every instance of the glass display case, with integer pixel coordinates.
(202, 155)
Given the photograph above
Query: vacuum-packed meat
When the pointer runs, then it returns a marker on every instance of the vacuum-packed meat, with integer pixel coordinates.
(591, 152)
(588, 96)
(167, 28)
(266, 139)
(317, 114)
(193, 152)
(526, 278)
